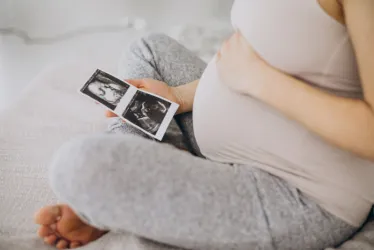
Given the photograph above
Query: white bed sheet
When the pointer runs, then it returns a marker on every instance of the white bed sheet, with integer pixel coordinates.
(47, 114)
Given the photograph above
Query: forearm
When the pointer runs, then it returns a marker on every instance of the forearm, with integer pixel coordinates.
(185, 95)
(347, 123)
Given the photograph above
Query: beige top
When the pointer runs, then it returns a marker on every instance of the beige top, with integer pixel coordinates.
(299, 38)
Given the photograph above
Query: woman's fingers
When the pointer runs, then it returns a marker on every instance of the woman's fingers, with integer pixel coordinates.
(138, 83)
(110, 114)
(218, 56)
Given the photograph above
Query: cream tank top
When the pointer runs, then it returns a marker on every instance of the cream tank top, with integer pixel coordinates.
(299, 38)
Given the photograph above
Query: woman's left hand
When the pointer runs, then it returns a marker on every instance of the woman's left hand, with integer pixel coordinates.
(239, 65)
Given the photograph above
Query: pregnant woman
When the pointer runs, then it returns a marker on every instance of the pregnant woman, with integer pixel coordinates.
(280, 129)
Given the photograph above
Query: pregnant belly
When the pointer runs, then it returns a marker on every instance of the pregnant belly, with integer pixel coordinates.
(234, 128)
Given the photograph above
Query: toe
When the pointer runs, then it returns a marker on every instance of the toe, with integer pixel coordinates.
(48, 215)
(44, 231)
(62, 244)
(75, 244)
(50, 239)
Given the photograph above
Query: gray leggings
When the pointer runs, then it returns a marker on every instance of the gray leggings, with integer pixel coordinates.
(127, 183)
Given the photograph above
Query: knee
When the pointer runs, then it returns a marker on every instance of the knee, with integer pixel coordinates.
(157, 38)
(152, 42)
(76, 166)
(84, 166)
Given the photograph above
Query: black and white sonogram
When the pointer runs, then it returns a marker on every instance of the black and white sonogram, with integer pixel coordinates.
(105, 89)
(148, 112)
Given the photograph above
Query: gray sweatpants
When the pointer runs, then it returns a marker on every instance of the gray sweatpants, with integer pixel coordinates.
(127, 183)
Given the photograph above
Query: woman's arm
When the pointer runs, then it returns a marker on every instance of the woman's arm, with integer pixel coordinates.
(347, 123)
(185, 95)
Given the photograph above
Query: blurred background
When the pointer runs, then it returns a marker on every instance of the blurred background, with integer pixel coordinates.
(35, 34)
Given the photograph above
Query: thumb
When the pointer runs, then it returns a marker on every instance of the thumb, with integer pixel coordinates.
(110, 114)
(138, 83)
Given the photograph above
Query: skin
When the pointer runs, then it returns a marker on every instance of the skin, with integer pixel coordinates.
(347, 123)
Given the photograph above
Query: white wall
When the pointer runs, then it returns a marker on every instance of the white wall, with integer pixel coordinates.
(20, 62)
(50, 16)
(2, 74)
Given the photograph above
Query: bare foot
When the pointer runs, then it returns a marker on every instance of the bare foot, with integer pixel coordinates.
(62, 228)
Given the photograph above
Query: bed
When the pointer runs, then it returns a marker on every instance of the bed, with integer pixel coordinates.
(48, 113)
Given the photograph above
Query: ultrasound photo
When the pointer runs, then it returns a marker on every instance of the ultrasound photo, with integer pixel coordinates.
(147, 111)
(105, 89)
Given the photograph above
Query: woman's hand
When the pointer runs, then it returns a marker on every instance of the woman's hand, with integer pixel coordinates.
(239, 65)
(154, 87)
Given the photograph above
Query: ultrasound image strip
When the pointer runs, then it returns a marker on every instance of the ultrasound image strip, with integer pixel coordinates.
(147, 112)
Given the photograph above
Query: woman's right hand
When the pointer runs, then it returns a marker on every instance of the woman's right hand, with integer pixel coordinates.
(153, 86)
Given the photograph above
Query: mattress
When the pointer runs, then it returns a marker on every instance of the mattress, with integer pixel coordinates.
(44, 116)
